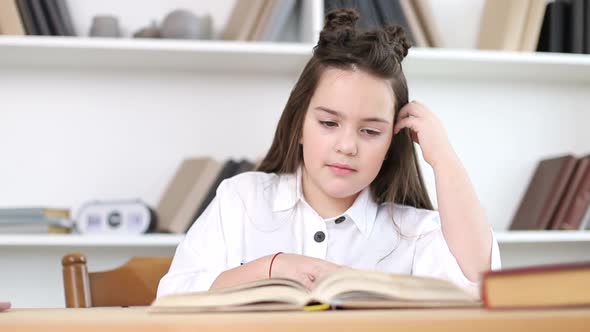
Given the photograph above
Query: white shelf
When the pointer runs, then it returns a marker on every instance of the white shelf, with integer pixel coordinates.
(498, 65)
(277, 58)
(75, 240)
(204, 56)
(523, 237)
(172, 240)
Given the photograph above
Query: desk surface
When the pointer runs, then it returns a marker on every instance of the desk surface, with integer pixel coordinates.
(455, 320)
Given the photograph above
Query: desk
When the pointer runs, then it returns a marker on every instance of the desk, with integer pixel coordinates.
(451, 320)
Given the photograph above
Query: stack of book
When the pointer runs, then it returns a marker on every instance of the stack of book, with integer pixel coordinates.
(35, 220)
(191, 190)
(415, 16)
(536, 25)
(557, 197)
(35, 17)
(258, 20)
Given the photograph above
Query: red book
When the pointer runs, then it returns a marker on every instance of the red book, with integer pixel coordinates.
(541, 286)
(574, 209)
(544, 193)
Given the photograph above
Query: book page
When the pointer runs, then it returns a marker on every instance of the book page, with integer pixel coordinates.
(364, 286)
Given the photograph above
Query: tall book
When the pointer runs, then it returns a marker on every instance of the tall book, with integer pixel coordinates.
(502, 24)
(558, 27)
(242, 20)
(185, 193)
(543, 43)
(56, 25)
(533, 24)
(544, 192)
(414, 24)
(272, 27)
(576, 201)
(10, 20)
(26, 14)
(428, 21)
(65, 17)
(576, 26)
(587, 27)
(40, 17)
(229, 169)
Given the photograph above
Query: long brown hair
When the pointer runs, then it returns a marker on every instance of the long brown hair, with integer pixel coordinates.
(377, 52)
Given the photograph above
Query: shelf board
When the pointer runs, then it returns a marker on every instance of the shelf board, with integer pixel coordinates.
(202, 56)
(77, 240)
(535, 237)
(498, 65)
(278, 58)
(172, 240)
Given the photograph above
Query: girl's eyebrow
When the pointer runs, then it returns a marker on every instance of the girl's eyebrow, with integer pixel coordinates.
(340, 115)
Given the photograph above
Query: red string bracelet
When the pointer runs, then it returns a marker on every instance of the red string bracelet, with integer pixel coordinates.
(272, 261)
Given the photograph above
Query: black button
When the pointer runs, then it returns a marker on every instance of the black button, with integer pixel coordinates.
(340, 219)
(319, 236)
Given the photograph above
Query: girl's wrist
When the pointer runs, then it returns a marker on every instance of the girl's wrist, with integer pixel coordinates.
(272, 264)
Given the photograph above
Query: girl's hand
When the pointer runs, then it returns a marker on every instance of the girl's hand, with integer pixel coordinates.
(4, 306)
(426, 130)
(301, 268)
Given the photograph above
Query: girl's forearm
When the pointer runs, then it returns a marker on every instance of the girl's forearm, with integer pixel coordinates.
(463, 220)
(254, 270)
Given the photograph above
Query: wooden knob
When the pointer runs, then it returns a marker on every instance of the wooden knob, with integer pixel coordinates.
(74, 258)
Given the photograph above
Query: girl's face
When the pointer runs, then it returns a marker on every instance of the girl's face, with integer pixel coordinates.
(346, 132)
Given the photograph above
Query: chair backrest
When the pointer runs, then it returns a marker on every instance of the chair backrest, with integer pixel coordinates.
(133, 284)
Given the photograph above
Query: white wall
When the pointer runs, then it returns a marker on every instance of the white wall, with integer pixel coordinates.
(72, 135)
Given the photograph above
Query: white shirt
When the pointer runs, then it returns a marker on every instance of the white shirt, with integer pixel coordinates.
(257, 214)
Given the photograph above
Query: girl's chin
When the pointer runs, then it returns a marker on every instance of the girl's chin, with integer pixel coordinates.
(339, 192)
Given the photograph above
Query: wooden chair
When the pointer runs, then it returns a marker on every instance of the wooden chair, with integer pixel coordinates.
(133, 284)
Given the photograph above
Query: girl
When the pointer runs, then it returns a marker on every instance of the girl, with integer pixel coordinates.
(340, 185)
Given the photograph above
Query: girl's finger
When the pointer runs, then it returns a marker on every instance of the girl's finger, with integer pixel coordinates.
(409, 110)
(408, 122)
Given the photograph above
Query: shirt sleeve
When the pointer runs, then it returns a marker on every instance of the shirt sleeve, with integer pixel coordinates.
(203, 254)
(433, 258)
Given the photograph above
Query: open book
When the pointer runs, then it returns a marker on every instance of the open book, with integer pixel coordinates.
(345, 288)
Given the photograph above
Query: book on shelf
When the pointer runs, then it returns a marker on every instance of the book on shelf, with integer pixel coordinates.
(185, 192)
(191, 190)
(502, 24)
(543, 194)
(575, 203)
(343, 289)
(10, 20)
(45, 17)
(230, 168)
(532, 26)
(35, 220)
(242, 20)
(35, 212)
(426, 18)
(29, 225)
(272, 20)
(542, 286)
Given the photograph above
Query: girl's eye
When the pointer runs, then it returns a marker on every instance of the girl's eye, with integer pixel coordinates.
(329, 124)
(371, 132)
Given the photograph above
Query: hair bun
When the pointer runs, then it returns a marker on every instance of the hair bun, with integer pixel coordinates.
(339, 19)
(397, 38)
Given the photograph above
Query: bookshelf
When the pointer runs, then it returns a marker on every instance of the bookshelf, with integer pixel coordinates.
(278, 58)
(85, 119)
(172, 240)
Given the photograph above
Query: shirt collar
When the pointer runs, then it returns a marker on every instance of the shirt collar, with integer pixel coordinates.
(288, 192)
(363, 211)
